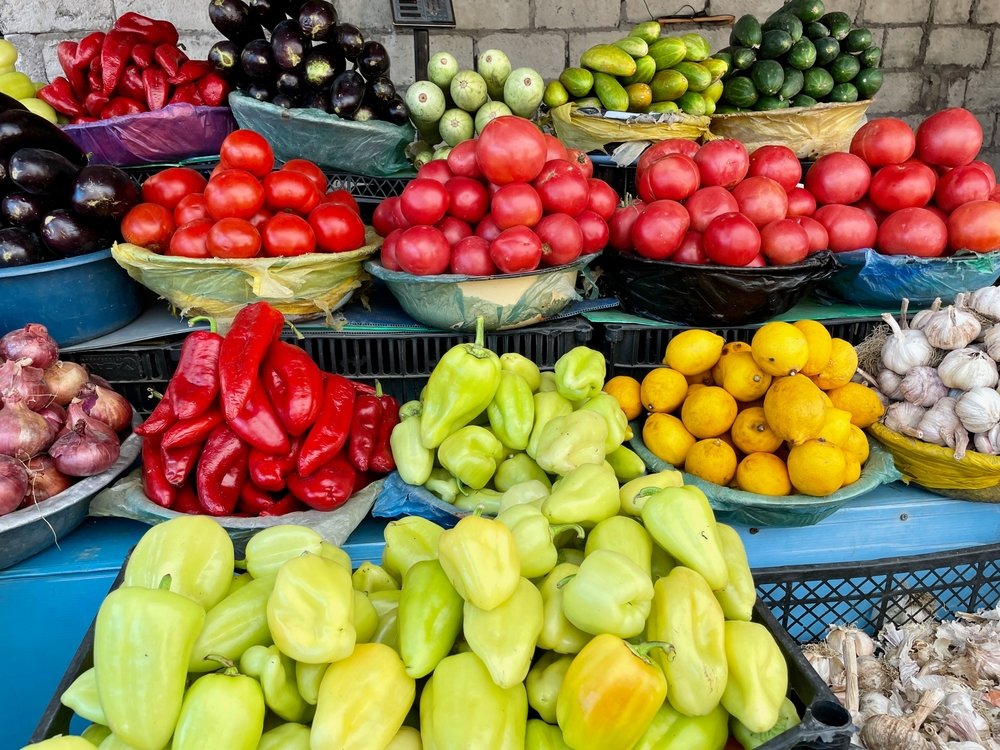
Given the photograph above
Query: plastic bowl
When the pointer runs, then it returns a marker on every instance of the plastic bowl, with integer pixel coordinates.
(452, 302)
(707, 295)
(77, 299)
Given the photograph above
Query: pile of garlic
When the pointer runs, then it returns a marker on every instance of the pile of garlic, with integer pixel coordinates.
(939, 373)
(926, 685)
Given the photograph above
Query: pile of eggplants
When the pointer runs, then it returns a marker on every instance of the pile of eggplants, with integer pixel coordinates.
(53, 205)
(296, 54)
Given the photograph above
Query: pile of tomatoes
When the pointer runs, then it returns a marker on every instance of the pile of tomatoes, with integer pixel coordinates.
(508, 201)
(245, 208)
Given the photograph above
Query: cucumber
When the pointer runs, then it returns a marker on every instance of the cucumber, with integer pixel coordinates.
(746, 32)
(659, 107)
(792, 85)
(806, 10)
(844, 68)
(785, 22)
(667, 52)
(645, 69)
(555, 94)
(838, 23)
(608, 59)
(589, 102)
(714, 92)
(768, 76)
(802, 55)
(718, 68)
(668, 86)
(692, 103)
(827, 50)
(698, 76)
(726, 109)
(743, 58)
(640, 96)
(815, 30)
(578, 81)
(766, 103)
(871, 57)
(611, 93)
(818, 83)
(697, 46)
(774, 44)
(803, 101)
(726, 56)
(868, 82)
(648, 31)
(843, 92)
(739, 92)
(633, 45)
(857, 41)
(709, 107)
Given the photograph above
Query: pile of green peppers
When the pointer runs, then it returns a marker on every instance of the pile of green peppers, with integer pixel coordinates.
(589, 615)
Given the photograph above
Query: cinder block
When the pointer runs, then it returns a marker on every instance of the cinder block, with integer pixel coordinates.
(460, 46)
(576, 14)
(543, 51)
(896, 11)
(900, 92)
(986, 11)
(954, 89)
(366, 15)
(39, 17)
(30, 58)
(646, 10)
(988, 120)
(952, 11)
(956, 45)
(902, 46)
(493, 14)
(983, 90)
(400, 48)
(186, 16)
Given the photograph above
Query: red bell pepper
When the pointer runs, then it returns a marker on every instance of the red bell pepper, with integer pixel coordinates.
(288, 504)
(294, 384)
(95, 103)
(381, 460)
(327, 488)
(196, 380)
(192, 431)
(259, 426)
(179, 462)
(154, 482)
(187, 501)
(142, 55)
(157, 90)
(162, 415)
(122, 105)
(268, 470)
(365, 426)
(189, 72)
(214, 90)
(222, 471)
(59, 95)
(67, 54)
(149, 30)
(332, 428)
(169, 58)
(254, 500)
(88, 49)
(254, 329)
(186, 94)
(115, 53)
(131, 84)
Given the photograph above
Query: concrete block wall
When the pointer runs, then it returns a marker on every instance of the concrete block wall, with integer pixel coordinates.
(936, 53)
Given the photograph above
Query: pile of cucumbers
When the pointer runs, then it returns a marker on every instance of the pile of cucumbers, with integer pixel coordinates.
(644, 73)
(799, 57)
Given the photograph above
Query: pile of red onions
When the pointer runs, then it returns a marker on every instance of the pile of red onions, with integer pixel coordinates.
(44, 446)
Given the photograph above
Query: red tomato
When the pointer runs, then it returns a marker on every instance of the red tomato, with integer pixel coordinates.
(292, 191)
(471, 256)
(784, 242)
(975, 226)
(468, 200)
(691, 251)
(602, 199)
(336, 229)
(732, 239)
(148, 225)
(759, 262)
(912, 231)
(190, 208)
(342, 197)
(838, 178)
(258, 219)
(987, 170)
(384, 218)
(510, 149)
(234, 194)
(937, 212)
(423, 251)
(877, 214)
(620, 226)
(487, 229)
(191, 240)
(777, 162)
(554, 148)
(309, 169)
(962, 185)
(818, 238)
(516, 204)
(708, 203)
(233, 238)
(286, 234)
(848, 227)
(517, 249)
(247, 150)
(595, 231)
(762, 200)
(462, 160)
(801, 202)
(562, 239)
(724, 162)
(454, 229)
(995, 194)
(436, 170)
(581, 161)
(169, 186)
(661, 148)
(562, 188)
(387, 255)
(659, 231)
(424, 201)
(897, 186)
(219, 169)
(949, 138)
(673, 177)
(887, 140)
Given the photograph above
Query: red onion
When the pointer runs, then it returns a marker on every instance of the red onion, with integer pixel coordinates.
(55, 415)
(31, 342)
(17, 378)
(107, 406)
(98, 380)
(84, 451)
(13, 484)
(44, 481)
(23, 433)
(75, 414)
(64, 380)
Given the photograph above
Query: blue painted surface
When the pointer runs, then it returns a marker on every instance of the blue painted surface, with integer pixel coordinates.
(48, 602)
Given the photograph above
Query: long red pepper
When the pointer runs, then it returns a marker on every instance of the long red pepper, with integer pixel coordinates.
(131, 84)
(169, 58)
(254, 329)
(258, 425)
(96, 102)
(149, 30)
(294, 384)
(194, 430)
(254, 500)
(333, 426)
(66, 52)
(156, 88)
(115, 53)
(288, 504)
(381, 460)
(214, 90)
(122, 105)
(59, 95)
(186, 94)
(187, 501)
(88, 49)
(178, 463)
(327, 488)
(268, 470)
(196, 380)
(365, 425)
(162, 416)
(154, 482)
(222, 470)
(190, 71)
(142, 55)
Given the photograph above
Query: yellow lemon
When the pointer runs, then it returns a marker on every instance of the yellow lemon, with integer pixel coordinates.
(857, 444)
(752, 434)
(732, 347)
(693, 351)
(708, 411)
(764, 474)
(862, 402)
(836, 427)
(663, 390)
(840, 368)
(780, 348)
(627, 392)
(816, 467)
(743, 378)
(852, 470)
(667, 438)
(819, 343)
(795, 409)
(701, 378)
(713, 460)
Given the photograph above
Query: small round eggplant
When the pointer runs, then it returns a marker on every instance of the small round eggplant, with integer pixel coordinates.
(285, 101)
(349, 39)
(290, 83)
(19, 247)
(267, 13)
(397, 112)
(262, 91)
(68, 235)
(42, 172)
(103, 192)
(373, 62)
(231, 18)
(346, 93)
(257, 59)
(364, 113)
(24, 210)
(289, 45)
(225, 57)
(316, 100)
(318, 19)
(322, 64)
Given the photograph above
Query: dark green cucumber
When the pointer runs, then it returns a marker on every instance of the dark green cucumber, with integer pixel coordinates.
(844, 68)
(827, 50)
(739, 92)
(818, 83)
(868, 82)
(843, 92)
(767, 76)
(802, 55)
(793, 83)
(746, 32)
(774, 44)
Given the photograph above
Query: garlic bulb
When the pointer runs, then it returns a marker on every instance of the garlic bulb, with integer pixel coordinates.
(951, 328)
(992, 341)
(988, 442)
(986, 302)
(872, 675)
(923, 387)
(888, 383)
(905, 348)
(864, 645)
(941, 426)
(979, 409)
(967, 369)
(902, 416)
(920, 319)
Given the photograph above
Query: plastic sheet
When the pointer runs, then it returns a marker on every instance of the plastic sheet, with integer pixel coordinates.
(869, 278)
(593, 133)
(396, 499)
(180, 131)
(373, 148)
(704, 295)
(810, 132)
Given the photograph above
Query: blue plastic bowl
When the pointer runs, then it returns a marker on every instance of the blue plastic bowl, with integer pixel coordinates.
(77, 299)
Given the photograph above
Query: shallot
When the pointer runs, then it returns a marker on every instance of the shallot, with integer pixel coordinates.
(64, 380)
(13, 484)
(32, 343)
(84, 451)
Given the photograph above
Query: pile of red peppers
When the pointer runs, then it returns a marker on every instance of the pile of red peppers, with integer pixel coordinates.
(135, 67)
(250, 426)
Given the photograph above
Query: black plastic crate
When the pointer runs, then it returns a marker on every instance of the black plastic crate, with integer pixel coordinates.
(808, 599)
(622, 179)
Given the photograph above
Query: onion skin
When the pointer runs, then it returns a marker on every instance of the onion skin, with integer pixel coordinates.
(65, 380)
(106, 406)
(44, 480)
(23, 433)
(84, 451)
(55, 415)
(13, 484)
(31, 342)
(20, 380)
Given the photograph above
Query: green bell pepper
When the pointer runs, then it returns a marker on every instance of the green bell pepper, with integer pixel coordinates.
(365, 618)
(574, 440)
(672, 730)
(517, 469)
(82, 696)
(307, 680)
(548, 406)
(461, 707)
(682, 522)
(289, 736)
(543, 683)
(558, 633)
(758, 676)
(542, 736)
(443, 484)
(788, 717)
(505, 636)
(580, 373)
(518, 364)
(535, 538)
(487, 499)
(471, 454)
(371, 578)
(531, 492)
(142, 645)
(409, 540)
(413, 461)
(310, 611)
(479, 556)
(272, 547)
(686, 615)
(627, 464)
(194, 551)
(512, 411)
(386, 603)
(607, 407)
(221, 710)
(461, 385)
(429, 617)
(233, 625)
(547, 383)
(738, 596)
(95, 734)
(276, 674)
(608, 594)
(625, 536)
(634, 493)
(587, 495)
